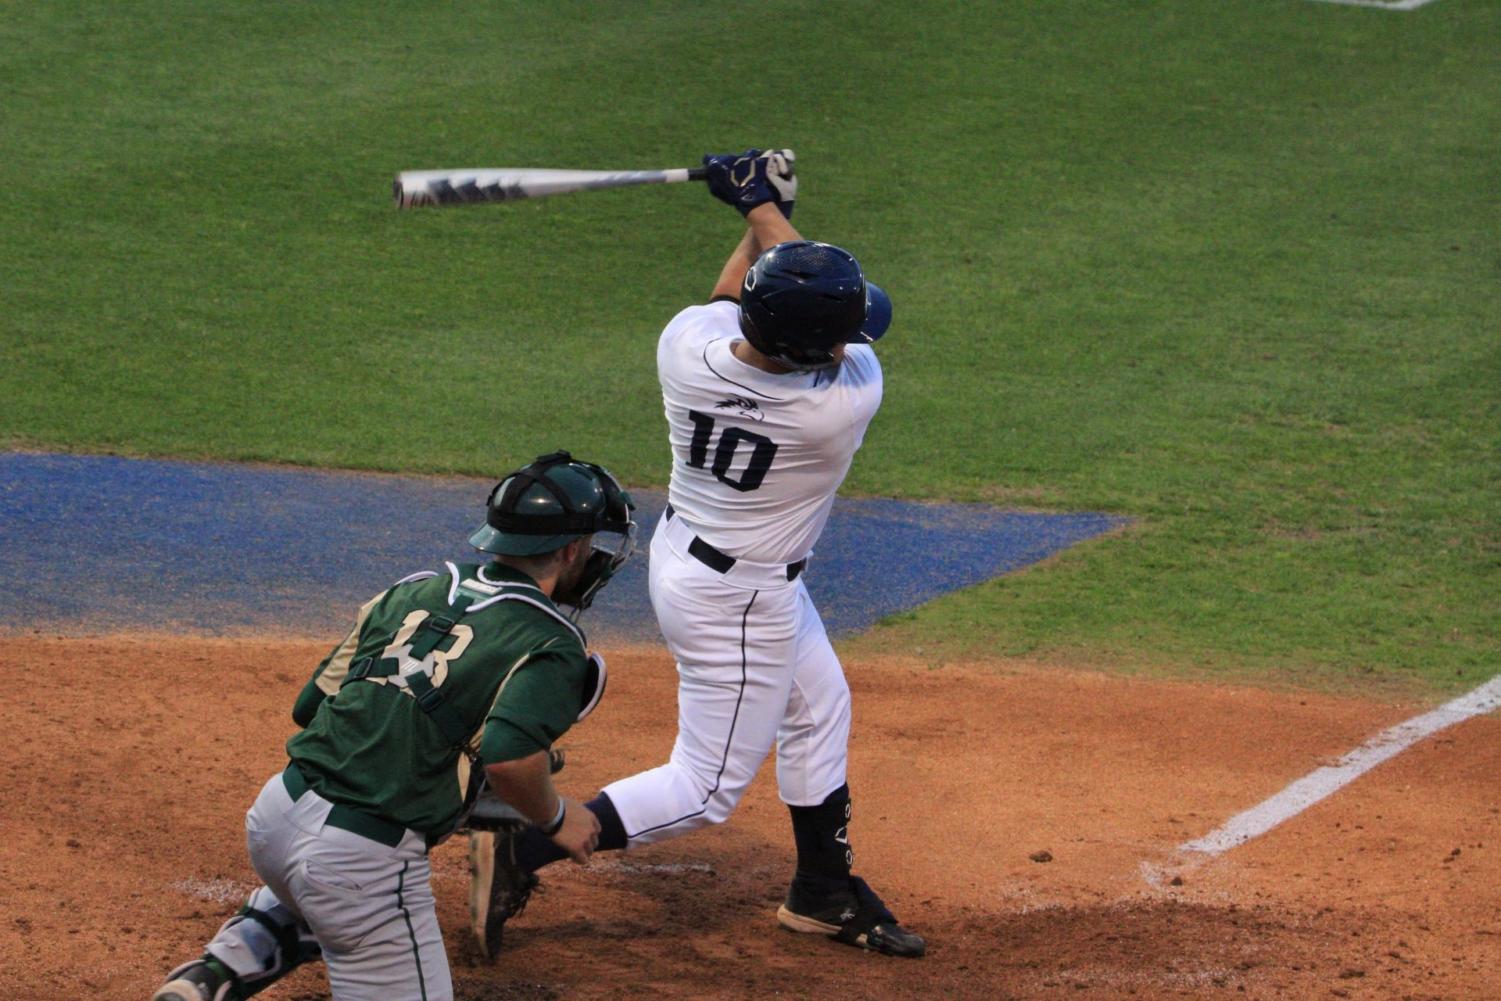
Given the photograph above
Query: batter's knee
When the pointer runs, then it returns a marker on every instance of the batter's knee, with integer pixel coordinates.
(711, 801)
(721, 804)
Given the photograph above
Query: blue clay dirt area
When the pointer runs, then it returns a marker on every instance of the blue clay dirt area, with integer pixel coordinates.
(96, 544)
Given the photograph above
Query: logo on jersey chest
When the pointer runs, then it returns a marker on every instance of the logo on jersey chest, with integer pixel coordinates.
(745, 406)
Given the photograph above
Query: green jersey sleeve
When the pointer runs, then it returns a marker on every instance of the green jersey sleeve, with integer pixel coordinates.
(332, 670)
(536, 706)
(312, 695)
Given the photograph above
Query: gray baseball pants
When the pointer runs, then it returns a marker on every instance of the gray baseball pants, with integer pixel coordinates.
(370, 906)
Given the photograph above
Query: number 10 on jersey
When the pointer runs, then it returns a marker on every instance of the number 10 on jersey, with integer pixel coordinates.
(763, 450)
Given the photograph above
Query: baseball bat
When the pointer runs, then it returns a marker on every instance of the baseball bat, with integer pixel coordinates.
(507, 184)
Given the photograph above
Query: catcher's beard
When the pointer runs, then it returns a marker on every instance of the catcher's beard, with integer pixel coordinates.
(598, 568)
(569, 579)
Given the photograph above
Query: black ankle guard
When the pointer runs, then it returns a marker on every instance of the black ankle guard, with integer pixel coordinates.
(822, 836)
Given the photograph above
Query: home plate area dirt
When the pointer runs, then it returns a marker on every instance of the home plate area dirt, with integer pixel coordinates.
(130, 760)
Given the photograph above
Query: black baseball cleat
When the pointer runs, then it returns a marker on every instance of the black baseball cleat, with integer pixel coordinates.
(855, 917)
(498, 889)
(201, 980)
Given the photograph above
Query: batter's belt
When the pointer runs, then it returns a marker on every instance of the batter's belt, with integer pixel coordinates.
(724, 563)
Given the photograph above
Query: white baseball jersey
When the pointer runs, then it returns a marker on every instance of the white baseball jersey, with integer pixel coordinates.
(757, 456)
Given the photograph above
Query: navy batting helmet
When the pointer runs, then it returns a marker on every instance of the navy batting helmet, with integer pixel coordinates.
(802, 299)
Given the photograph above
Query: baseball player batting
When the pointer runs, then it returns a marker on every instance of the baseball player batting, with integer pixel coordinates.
(768, 390)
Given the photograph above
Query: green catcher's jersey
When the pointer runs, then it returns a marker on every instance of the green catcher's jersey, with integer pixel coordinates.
(513, 670)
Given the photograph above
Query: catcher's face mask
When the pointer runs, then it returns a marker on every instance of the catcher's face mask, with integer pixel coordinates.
(604, 558)
(601, 564)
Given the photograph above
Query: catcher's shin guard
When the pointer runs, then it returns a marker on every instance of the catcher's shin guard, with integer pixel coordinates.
(200, 980)
(262, 943)
(498, 888)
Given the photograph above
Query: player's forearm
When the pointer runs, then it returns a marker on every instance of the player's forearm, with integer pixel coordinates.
(769, 227)
(735, 268)
(526, 785)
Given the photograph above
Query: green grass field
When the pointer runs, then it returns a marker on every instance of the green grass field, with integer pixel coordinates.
(1229, 268)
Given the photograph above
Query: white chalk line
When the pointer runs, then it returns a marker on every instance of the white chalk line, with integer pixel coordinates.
(220, 891)
(1383, 4)
(1323, 782)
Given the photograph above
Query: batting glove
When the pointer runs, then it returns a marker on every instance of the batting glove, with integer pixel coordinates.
(782, 177)
(743, 179)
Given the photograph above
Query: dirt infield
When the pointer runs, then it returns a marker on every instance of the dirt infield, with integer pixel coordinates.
(130, 762)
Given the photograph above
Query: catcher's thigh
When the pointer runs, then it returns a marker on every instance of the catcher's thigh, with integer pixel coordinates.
(370, 906)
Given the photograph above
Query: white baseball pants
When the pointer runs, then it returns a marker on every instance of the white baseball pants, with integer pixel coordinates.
(755, 668)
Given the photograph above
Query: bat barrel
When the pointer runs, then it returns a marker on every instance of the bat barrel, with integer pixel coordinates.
(473, 186)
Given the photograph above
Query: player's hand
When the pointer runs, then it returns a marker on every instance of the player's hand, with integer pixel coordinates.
(782, 177)
(743, 179)
(579, 835)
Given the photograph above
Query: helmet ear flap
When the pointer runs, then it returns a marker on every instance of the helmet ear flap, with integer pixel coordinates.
(803, 359)
(750, 333)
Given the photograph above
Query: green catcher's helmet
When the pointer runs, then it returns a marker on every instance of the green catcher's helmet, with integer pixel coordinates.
(545, 505)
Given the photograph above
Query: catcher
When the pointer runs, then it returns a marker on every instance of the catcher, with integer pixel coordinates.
(447, 682)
